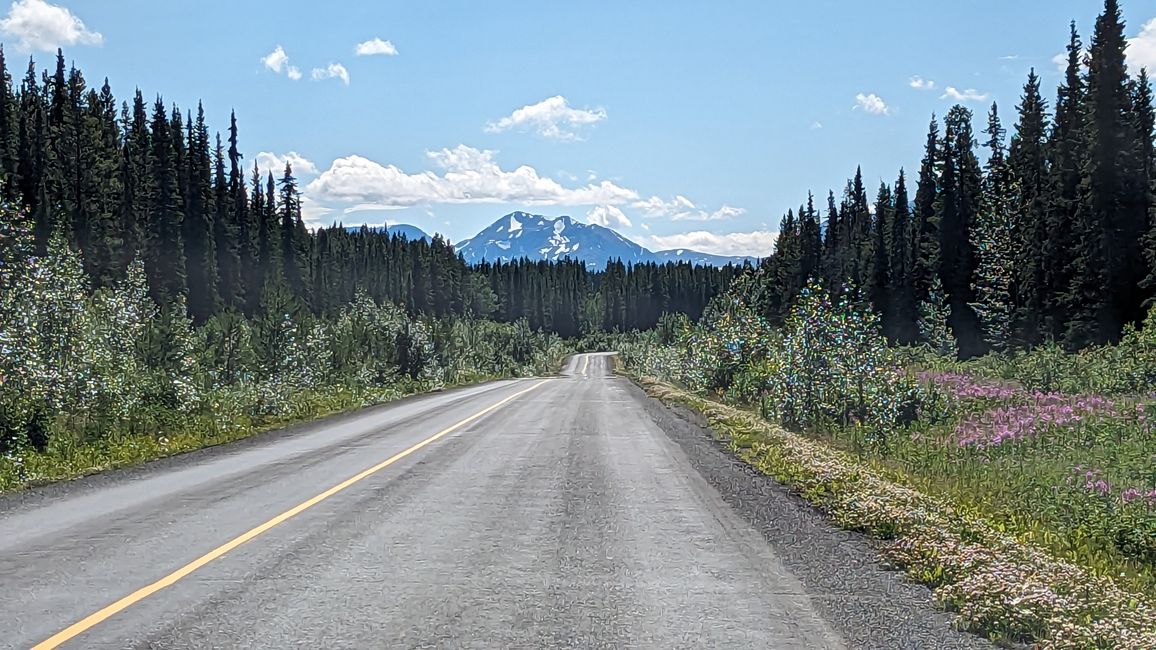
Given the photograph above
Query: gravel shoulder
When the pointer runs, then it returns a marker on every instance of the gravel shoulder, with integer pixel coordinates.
(872, 607)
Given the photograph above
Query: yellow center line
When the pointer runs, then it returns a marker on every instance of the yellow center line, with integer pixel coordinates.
(100, 616)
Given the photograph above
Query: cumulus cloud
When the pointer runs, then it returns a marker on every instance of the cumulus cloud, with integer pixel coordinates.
(758, 243)
(375, 47)
(552, 118)
(38, 25)
(657, 207)
(278, 61)
(608, 216)
(275, 163)
(872, 103)
(333, 70)
(919, 83)
(681, 208)
(968, 95)
(723, 213)
(311, 210)
(1142, 49)
(468, 175)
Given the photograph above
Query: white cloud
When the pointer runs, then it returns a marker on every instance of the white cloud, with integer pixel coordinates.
(275, 163)
(1142, 49)
(552, 118)
(468, 176)
(372, 207)
(276, 59)
(1010, 57)
(723, 213)
(681, 208)
(311, 210)
(968, 95)
(38, 25)
(758, 243)
(872, 103)
(919, 83)
(608, 216)
(376, 46)
(330, 71)
(656, 207)
(816, 125)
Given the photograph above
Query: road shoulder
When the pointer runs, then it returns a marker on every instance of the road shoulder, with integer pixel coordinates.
(870, 606)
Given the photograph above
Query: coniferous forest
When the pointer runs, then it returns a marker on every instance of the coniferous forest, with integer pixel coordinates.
(1044, 236)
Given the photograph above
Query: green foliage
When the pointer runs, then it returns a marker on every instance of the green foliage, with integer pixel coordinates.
(108, 372)
(833, 367)
(933, 327)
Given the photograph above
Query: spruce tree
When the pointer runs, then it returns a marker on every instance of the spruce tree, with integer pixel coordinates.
(925, 221)
(1103, 293)
(955, 206)
(226, 235)
(1028, 183)
(199, 228)
(165, 249)
(901, 261)
(1066, 153)
(879, 279)
(994, 238)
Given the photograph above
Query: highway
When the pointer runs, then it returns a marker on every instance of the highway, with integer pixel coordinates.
(535, 513)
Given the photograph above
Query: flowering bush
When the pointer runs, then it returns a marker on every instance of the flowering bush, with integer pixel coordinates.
(997, 584)
(833, 367)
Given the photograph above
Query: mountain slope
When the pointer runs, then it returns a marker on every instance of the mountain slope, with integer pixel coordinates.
(532, 236)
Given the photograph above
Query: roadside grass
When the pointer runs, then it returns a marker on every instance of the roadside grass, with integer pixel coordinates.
(1020, 553)
(79, 448)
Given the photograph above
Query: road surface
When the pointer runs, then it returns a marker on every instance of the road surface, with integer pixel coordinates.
(533, 513)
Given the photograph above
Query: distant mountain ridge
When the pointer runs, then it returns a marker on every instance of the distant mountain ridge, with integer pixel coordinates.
(533, 236)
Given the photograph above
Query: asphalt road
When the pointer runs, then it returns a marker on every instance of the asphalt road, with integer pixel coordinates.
(561, 516)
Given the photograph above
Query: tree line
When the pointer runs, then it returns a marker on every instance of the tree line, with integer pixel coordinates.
(134, 181)
(1052, 238)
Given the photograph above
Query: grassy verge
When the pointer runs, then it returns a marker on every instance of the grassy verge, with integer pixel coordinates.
(1000, 586)
(76, 455)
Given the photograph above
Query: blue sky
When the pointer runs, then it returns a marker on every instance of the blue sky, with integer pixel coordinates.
(679, 124)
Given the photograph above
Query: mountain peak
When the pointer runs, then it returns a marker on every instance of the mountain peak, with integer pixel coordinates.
(538, 237)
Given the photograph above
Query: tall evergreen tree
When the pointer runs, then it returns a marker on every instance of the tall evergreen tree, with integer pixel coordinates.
(165, 249)
(1028, 183)
(956, 205)
(1065, 152)
(1103, 293)
(880, 277)
(199, 229)
(901, 260)
(226, 234)
(994, 237)
(925, 222)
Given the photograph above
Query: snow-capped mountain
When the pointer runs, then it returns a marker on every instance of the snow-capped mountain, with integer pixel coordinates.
(536, 237)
